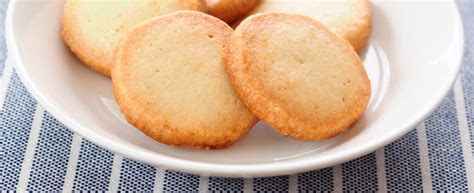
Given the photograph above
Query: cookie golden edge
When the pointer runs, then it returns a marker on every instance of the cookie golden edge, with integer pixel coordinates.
(91, 56)
(231, 10)
(358, 35)
(263, 107)
(76, 45)
(181, 139)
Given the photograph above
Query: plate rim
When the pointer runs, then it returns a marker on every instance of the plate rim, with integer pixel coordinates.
(230, 170)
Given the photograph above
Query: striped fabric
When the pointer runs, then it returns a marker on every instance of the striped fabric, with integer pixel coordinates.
(37, 153)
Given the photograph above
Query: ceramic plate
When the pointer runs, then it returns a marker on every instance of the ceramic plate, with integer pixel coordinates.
(413, 59)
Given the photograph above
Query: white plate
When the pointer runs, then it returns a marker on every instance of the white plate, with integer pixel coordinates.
(413, 59)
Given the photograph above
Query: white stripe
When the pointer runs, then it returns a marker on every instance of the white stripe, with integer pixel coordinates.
(381, 175)
(159, 178)
(337, 177)
(72, 163)
(203, 184)
(464, 133)
(30, 149)
(115, 176)
(293, 183)
(424, 158)
(5, 81)
(248, 185)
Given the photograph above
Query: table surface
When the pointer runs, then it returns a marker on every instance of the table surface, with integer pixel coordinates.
(39, 153)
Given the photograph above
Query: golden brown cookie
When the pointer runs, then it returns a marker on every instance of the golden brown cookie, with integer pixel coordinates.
(169, 81)
(92, 28)
(230, 10)
(350, 19)
(296, 75)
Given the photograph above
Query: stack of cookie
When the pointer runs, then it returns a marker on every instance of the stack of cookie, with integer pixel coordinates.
(186, 78)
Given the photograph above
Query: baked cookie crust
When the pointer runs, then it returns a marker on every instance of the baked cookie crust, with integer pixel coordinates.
(296, 75)
(169, 82)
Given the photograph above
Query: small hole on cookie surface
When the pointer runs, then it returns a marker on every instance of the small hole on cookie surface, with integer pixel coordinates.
(210, 36)
(346, 82)
(299, 60)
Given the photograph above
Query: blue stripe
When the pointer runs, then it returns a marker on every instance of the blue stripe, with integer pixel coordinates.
(3, 45)
(402, 164)
(226, 184)
(444, 147)
(15, 126)
(360, 174)
(319, 180)
(94, 168)
(180, 182)
(273, 184)
(53, 147)
(136, 176)
(466, 8)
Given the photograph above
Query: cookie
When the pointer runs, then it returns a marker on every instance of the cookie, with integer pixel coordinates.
(230, 10)
(92, 28)
(169, 81)
(350, 19)
(296, 75)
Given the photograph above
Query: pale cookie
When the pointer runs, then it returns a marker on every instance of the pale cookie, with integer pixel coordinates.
(169, 81)
(92, 28)
(230, 10)
(350, 19)
(296, 75)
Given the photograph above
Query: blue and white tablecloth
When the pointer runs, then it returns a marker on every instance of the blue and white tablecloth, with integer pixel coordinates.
(38, 153)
